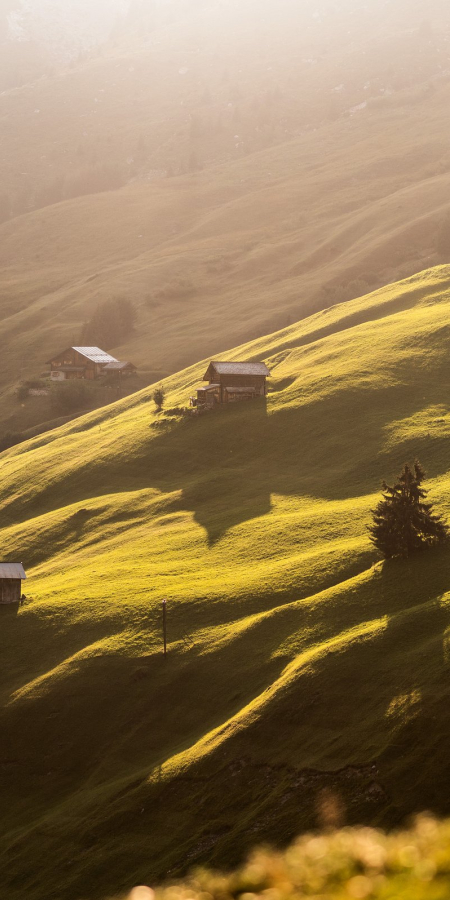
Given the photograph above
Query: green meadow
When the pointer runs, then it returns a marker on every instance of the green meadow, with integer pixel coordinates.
(297, 661)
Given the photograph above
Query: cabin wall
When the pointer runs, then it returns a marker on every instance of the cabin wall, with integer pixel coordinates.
(69, 358)
(256, 381)
(10, 590)
(73, 358)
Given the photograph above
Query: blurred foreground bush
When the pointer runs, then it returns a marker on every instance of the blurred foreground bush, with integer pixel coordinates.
(352, 863)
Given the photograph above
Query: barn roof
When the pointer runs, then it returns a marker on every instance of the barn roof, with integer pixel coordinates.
(117, 366)
(238, 368)
(12, 570)
(95, 354)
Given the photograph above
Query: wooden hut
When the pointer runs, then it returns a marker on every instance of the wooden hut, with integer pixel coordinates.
(231, 382)
(11, 577)
(79, 362)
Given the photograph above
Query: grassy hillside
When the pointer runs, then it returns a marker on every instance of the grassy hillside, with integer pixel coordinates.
(309, 163)
(297, 662)
(213, 258)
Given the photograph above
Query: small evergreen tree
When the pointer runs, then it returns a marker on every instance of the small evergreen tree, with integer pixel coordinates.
(403, 523)
(158, 398)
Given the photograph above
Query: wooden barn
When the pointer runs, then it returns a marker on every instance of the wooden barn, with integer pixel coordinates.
(232, 382)
(119, 369)
(11, 577)
(85, 362)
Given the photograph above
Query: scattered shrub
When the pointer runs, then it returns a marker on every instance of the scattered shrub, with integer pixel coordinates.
(176, 411)
(112, 322)
(23, 391)
(158, 398)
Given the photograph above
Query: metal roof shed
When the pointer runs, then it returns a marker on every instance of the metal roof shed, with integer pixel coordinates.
(95, 354)
(236, 368)
(11, 577)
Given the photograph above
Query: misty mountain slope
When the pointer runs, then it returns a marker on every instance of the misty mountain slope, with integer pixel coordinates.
(215, 258)
(221, 81)
(309, 154)
(297, 663)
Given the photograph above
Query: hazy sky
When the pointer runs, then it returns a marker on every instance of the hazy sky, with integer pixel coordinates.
(72, 22)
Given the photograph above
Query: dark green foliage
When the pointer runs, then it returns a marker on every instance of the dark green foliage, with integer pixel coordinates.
(23, 391)
(158, 398)
(70, 396)
(403, 522)
(112, 322)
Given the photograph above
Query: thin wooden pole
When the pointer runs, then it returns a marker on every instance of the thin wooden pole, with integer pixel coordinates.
(165, 626)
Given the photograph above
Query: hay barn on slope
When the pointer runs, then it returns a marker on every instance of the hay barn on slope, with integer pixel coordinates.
(86, 362)
(11, 577)
(231, 382)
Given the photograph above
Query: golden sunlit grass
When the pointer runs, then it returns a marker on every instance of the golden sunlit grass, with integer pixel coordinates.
(297, 663)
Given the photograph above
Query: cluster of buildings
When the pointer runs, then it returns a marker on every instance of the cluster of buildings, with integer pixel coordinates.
(223, 382)
(87, 362)
(226, 381)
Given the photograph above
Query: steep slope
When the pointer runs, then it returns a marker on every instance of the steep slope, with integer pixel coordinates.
(309, 152)
(215, 80)
(213, 259)
(297, 663)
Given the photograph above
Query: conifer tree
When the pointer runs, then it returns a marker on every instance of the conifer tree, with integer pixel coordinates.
(403, 522)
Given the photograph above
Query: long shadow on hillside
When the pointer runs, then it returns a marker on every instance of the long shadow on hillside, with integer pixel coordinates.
(8, 611)
(368, 720)
(229, 464)
(226, 466)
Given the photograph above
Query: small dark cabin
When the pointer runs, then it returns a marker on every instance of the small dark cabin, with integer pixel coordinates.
(231, 382)
(11, 577)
